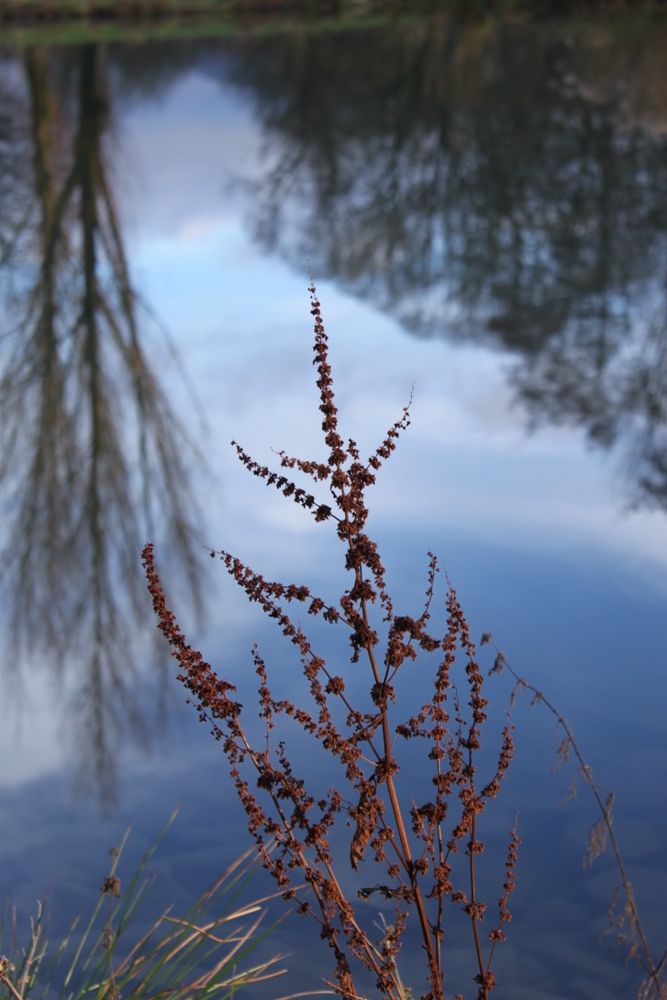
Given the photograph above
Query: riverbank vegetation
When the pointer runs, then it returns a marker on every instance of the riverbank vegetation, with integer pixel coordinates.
(74, 21)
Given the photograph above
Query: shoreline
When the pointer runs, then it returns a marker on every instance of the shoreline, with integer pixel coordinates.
(66, 22)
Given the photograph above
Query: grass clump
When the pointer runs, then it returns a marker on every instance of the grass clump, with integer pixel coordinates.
(202, 955)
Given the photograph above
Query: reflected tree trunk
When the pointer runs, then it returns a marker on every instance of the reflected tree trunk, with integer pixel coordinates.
(92, 452)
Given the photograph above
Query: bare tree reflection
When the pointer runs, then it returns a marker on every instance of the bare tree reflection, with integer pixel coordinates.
(92, 452)
(496, 181)
(617, 392)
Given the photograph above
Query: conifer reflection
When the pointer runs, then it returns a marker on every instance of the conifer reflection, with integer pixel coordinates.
(495, 181)
(92, 453)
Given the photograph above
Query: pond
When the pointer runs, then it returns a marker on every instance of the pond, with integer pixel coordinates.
(482, 206)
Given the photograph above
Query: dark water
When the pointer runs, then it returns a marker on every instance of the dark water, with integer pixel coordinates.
(483, 207)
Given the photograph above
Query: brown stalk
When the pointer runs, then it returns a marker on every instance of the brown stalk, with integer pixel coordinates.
(396, 809)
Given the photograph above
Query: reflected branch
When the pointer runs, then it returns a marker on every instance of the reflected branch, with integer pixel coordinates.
(492, 182)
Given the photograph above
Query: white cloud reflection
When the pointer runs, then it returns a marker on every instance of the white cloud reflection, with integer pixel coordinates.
(243, 327)
(466, 468)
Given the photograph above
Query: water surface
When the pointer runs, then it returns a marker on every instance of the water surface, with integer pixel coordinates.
(482, 207)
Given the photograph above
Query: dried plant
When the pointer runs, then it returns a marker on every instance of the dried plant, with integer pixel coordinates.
(624, 921)
(416, 843)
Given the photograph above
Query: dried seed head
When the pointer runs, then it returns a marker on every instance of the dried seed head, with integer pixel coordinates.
(111, 886)
(5, 967)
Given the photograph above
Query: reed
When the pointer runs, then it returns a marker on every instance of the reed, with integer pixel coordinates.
(429, 851)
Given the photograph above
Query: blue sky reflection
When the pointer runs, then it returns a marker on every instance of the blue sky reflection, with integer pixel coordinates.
(530, 526)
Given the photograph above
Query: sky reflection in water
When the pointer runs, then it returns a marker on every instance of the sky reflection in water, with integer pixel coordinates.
(531, 526)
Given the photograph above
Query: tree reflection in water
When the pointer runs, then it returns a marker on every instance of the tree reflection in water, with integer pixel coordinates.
(492, 181)
(91, 452)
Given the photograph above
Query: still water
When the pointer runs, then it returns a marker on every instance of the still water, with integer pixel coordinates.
(483, 209)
